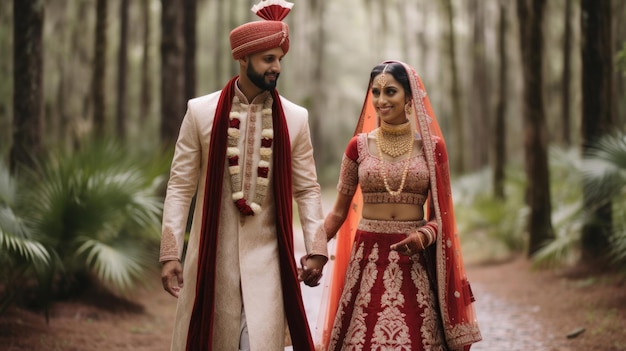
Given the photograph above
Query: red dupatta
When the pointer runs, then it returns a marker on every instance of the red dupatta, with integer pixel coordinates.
(200, 333)
(445, 259)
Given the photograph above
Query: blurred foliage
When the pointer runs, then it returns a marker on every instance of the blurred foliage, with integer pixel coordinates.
(604, 171)
(490, 228)
(23, 254)
(83, 219)
(496, 228)
(567, 214)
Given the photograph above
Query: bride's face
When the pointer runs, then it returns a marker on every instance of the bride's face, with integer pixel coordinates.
(389, 99)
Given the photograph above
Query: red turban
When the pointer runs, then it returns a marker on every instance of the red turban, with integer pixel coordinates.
(259, 36)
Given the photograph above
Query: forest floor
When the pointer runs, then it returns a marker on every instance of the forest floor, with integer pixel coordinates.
(518, 308)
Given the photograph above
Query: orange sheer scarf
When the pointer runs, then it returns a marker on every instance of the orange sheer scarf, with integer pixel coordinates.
(336, 267)
(453, 291)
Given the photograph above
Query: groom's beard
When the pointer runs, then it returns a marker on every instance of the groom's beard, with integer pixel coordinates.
(259, 80)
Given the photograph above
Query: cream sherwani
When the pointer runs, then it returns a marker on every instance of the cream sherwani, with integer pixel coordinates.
(247, 272)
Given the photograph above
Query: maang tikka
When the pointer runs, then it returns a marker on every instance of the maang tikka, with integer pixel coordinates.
(382, 79)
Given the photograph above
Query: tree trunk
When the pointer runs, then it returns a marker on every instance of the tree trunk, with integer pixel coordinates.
(81, 63)
(403, 10)
(172, 70)
(99, 69)
(500, 120)
(597, 115)
(422, 36)
(28, 19)
(567, 67)
(457, 160)
(218, 50)
(317, 10)
(232, 66)
(619, 40)
(530, 13)
(190, 48)
(122, 72)
(479, 89)
(146, 66)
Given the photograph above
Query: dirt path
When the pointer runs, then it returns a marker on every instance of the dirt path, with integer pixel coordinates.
(94, 325)
(524, 309)
(518, 309)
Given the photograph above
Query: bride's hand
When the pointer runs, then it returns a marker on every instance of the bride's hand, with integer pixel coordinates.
(412, 244)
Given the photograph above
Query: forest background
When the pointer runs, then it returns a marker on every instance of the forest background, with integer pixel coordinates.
(531, 96)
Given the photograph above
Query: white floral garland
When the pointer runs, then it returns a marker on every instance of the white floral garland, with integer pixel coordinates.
(233, 154)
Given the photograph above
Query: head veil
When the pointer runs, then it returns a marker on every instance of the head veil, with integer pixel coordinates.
(444, 258)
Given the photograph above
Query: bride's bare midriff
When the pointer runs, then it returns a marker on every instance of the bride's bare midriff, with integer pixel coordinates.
(395, 212)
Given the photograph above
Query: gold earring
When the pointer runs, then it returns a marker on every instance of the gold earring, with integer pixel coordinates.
(407, 108)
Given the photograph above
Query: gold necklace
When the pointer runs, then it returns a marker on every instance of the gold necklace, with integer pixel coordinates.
(383, 169)
(395, 140)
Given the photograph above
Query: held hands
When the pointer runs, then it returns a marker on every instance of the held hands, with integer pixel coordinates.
(311, 271)
(412, 244)
(172, 277)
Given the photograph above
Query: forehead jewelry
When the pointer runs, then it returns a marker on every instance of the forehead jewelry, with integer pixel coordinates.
(382, 79)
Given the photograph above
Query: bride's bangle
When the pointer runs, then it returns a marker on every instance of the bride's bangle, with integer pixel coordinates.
(429, 233)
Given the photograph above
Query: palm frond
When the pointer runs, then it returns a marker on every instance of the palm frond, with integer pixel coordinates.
(604, 172)
(618, 237)
(119, 266)
(8, 187)
(79, 195)
(565, 175)
(30, 250)
(86, 204)
(16, 236)
(604, 168)
(558, 251)
(567, 220)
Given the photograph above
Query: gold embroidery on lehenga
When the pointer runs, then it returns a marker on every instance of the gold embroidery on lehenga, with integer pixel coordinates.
(352, 275)
(432, 338)
(461, 334)
(391, 331)
(355, 335)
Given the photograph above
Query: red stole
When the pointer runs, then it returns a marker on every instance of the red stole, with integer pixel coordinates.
(200, 333)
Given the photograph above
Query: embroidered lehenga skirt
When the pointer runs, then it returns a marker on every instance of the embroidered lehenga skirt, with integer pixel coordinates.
(388, 301)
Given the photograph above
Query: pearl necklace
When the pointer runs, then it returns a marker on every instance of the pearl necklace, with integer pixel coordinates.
(400, 130)
(395, 140)
(265, 152)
